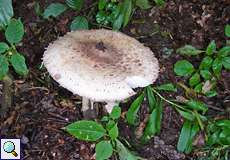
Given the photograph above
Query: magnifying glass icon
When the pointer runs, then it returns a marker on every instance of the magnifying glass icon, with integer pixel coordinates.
(9, 147)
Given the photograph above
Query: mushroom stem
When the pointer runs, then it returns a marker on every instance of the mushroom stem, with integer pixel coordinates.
(109, 106)
(87, 108)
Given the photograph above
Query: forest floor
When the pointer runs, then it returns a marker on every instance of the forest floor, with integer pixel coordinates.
(41, 107)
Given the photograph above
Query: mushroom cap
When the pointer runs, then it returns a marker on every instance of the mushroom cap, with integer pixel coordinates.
(101, 65)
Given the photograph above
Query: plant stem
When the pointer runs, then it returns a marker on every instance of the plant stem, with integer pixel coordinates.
(6, 95)
(170, 102)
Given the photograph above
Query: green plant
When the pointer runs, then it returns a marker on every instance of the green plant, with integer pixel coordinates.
(9, 56)
(218, 141)
(191, 110)
(204, 78)
(118, 13)
(105, 134)
(56, 9)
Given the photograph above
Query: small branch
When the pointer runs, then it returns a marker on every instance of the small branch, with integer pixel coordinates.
(87, 108)
(6, 95)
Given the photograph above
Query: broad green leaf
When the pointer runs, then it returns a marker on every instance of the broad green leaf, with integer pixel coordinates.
(186, 115)
(86, 130)
(206, 63)
(184, 136)
(167, 87)
(211, 48)
(4, 66)
(225, 136)
(183, 68)
(14, 31)
(118, 22)
(151, 98)
(54, 10)
(223, 123)
(159, 2)
(131, 115)
(102, 4)
(19, 64)
(110, 124)
(198, 88)
(154, 123)
(113, 132)
(126, 11)
(195, 129)
(213, 138)
(227, 30)
(217, 66)
(104, 150)
(223, 52)
(79, 23)
(116, 112)
(188, 50)
(194, 80)
(3, 47)
(6, 12)
(206, 74)
(197, 105)
(143, 4)
(226, 62)
(124, 153)
(75, 4)
(211, 93)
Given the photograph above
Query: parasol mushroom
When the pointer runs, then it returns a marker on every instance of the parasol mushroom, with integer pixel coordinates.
(100, 65)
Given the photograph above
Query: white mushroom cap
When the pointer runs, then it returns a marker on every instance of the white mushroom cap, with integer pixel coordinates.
(101, 65)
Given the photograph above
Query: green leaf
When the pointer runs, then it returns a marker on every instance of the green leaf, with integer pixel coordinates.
(194, 80)
(198, 88)
(3, 47)
(116, 113)
(14, 31)
(124, 153)
(167, 87)
(226, 62)
(223, 52)
(159, 2)
(79, 23)
(211, 48)
(151, 98)
(126, 11)
(195, 129)
(225, 136)
(206, 63)
(217, 67)
(75, 4)
(154, 123)
(186, 115)
(19, 64)
(105, 119)
(213, 138)
(211, 93)
(54, 10)
(184, 136)
(197, 105)
(110, 124)
(131, 115)
(38, 9)
(6, 12)
(143, 4)
(4, 66)
(104, 150)
(118, 22)
(183, 68)
(188, 50)
(102, 4)
(86, 130)
(206, 74)
(223, 123)
(227, 30)
(114, 132)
